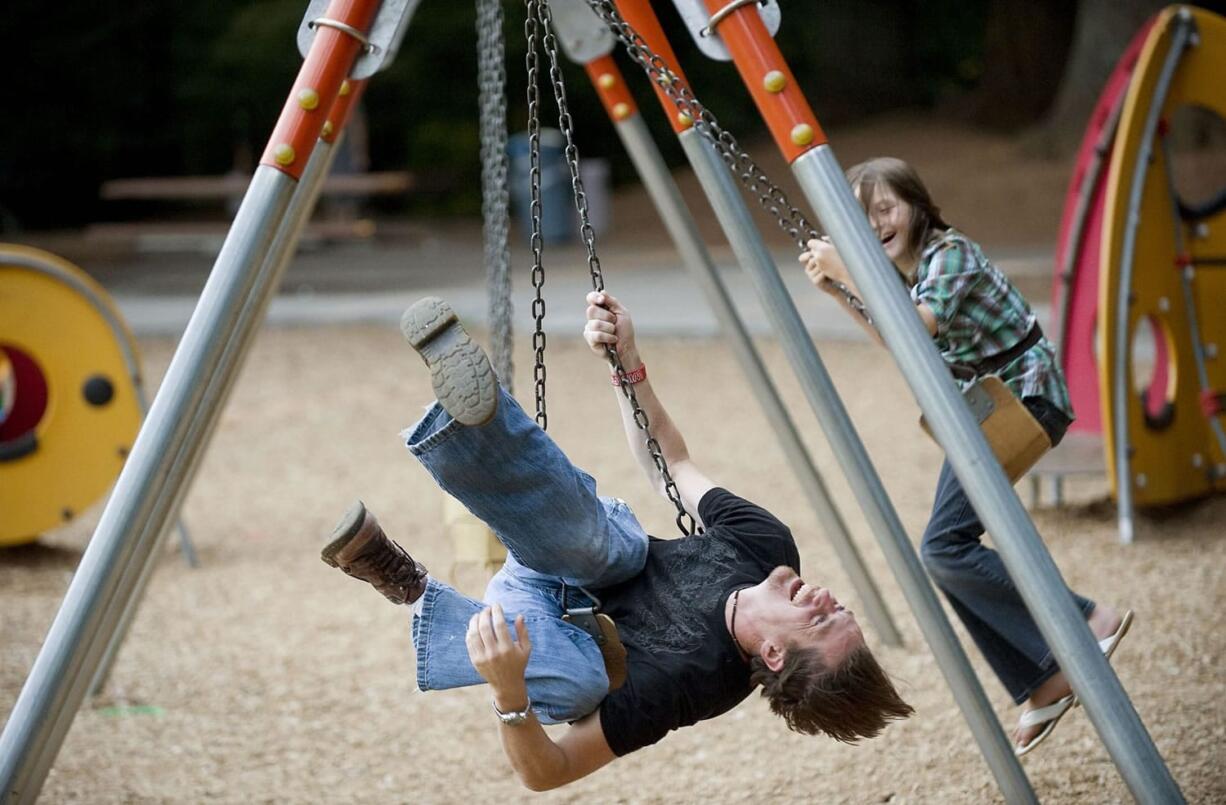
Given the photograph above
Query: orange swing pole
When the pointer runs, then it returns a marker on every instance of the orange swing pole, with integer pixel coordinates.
(641, 17)
(347, 97)
(317, 88)
(770, 81)
(611, 88)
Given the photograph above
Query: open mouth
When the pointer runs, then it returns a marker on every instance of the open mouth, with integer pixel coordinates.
(886, 240)
(796, 587)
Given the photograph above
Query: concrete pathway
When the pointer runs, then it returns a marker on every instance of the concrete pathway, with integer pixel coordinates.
(372, 284)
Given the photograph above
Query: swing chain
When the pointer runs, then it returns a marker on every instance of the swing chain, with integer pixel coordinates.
(491, 83)
(566, 124)
(540, 9)
(769, 195)
(531, 32)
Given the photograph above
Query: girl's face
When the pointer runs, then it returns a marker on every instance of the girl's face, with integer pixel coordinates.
(890, 218)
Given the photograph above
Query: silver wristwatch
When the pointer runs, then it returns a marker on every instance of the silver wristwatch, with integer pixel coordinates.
(515, 717)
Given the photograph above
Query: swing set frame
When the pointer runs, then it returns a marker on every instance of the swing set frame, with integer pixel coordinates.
(347, 42)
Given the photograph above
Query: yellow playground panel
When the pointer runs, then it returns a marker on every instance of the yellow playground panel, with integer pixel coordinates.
(71, 406)
(1178, 279)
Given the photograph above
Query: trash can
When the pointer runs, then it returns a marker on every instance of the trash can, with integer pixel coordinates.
(557, 197)
(594, 171)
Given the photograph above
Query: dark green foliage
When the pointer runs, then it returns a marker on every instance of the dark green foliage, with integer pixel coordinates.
(156, 88)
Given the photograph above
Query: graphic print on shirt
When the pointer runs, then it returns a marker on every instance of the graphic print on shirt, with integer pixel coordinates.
(673, 628)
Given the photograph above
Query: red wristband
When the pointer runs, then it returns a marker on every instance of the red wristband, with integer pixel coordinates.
(636, 376)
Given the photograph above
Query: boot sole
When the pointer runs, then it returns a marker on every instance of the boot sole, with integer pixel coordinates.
(463, 379)
(344, 533)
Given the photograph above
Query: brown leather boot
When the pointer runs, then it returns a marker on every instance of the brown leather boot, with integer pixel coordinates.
(360, 548)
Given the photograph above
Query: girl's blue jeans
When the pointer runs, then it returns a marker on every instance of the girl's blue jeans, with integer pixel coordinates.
(978, 587)
(557, 532)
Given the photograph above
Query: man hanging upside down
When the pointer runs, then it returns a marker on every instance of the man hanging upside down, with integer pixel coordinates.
(705, 619)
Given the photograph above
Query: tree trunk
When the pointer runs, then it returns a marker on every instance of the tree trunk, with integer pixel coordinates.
(1026, 45)
(1103, 29)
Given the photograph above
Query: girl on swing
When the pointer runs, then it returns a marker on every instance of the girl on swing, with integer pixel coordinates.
(982, 325)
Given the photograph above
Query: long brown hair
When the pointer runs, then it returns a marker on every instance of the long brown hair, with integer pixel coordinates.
(854, 700)
(902, 179)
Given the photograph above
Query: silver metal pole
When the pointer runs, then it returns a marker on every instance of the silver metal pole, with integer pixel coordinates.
(680, 224)
(730, 208)
(132, 521)
(220, 384)
(1122, 372)
(1030, 565)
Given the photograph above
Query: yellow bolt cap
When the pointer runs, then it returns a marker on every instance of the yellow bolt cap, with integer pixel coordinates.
(345, 87)
(284, 154)
(308, 98)
(684, 119)
(606, 81)
(774, 81)
(802, 134)
(620, 110)
(327, 130)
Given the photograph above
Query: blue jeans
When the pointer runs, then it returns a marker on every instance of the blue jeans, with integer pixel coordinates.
(557, 531)
(977, 585)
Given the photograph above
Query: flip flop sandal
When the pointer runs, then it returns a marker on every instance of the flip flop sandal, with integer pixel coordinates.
(1048, 716)
(1052, 713)
(1109, 643)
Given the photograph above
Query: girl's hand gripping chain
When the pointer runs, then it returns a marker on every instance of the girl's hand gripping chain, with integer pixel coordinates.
(824, 268)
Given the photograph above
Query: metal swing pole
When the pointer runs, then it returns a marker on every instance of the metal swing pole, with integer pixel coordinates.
(1185, 27)
(220, 384)
(587, 41)
(720, 188)
(152, 479)
(795, 131)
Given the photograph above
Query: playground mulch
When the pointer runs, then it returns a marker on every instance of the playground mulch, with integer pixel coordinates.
(266, 676)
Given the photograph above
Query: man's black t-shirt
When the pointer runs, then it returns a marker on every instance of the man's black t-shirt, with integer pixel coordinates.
(682, 664)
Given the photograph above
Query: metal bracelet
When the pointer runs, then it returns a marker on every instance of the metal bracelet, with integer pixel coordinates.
(326, 22)
(513, 718)
(719, 16)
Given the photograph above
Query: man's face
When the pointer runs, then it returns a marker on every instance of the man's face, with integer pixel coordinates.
(788, 612)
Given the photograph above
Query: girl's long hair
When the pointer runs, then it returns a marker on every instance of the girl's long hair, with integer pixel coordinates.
(926, 220)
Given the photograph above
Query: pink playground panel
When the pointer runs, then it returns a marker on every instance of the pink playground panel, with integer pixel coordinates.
(1077, 354)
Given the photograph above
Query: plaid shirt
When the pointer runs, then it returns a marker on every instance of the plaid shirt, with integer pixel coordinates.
(980, 314)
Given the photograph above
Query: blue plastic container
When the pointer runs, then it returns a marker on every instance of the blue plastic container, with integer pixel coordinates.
(558, 216)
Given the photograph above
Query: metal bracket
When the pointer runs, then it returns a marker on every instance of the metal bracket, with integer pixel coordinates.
(583, 36)
(585, 619)
(980, 402)
(379, 46)
(703, 25)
